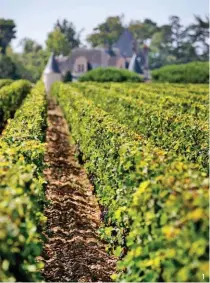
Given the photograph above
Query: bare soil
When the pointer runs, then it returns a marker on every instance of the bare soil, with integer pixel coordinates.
(73, 251)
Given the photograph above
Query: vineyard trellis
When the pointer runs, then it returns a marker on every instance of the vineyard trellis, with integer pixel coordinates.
(144, 148)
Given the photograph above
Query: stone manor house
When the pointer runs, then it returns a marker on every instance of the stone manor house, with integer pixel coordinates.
(123, 54)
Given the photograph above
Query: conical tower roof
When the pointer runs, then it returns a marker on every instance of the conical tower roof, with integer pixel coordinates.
(52, 65)
(125, 43)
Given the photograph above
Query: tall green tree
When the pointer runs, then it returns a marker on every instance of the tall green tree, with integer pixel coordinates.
(177, 32)
(198, 33)
(107, 33)
(7, 33)
(29, 65)
(143, 31)
(8, 69)
(70, 33)
(30, 45)
(173, 43)
(58, 43)
(161, 48)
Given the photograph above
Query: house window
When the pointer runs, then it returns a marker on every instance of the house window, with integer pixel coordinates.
(81, 68)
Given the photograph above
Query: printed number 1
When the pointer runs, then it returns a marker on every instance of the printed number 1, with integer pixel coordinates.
(203, 276)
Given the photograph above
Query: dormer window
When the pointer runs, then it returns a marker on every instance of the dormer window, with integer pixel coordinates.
(80, 68)
(80, 65)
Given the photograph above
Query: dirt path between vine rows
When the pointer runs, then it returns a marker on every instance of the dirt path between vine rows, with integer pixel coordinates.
(73, 251)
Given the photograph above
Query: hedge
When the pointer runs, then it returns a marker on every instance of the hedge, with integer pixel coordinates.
(110, 74)
(196, 93)
(176, 125)
(185, 104)
(11, 97)
(155, 206)
(194, 72)
(22, 194)
(4, 82)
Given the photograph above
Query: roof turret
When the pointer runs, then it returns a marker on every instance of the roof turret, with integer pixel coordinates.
(52, 65)
(125, 43)
(135, 64)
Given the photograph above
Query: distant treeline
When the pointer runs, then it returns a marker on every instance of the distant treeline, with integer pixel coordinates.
(171, 43)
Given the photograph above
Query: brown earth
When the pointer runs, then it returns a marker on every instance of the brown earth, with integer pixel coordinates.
(73, 251)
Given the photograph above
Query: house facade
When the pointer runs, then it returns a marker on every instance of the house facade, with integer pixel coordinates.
(123, 54)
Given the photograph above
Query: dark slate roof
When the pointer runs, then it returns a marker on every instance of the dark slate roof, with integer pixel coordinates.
(52, 65)
(64, 64)
(125, 43)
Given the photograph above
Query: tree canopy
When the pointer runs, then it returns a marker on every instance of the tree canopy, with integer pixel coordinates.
(168, 44)
(143, 31)
(63, 38)
(57, 43)
(70, 33)
(7, 33)
(30, 45)
(8, 68)
(107, 32)
(198, 33)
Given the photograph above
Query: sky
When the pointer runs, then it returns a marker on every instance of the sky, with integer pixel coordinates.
(36, 18)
